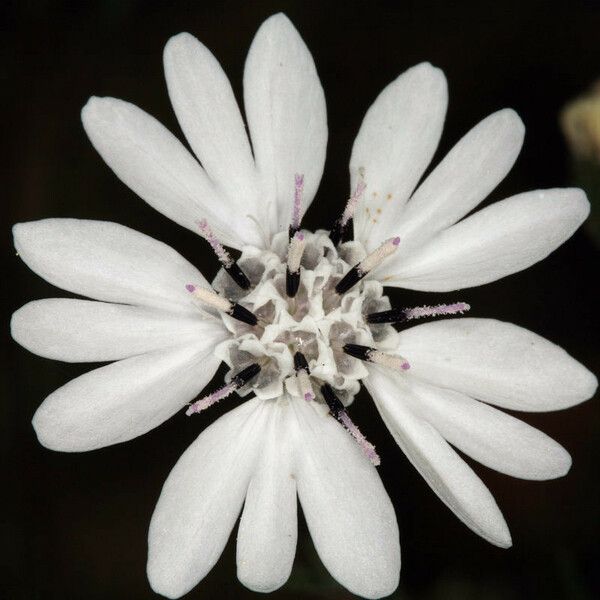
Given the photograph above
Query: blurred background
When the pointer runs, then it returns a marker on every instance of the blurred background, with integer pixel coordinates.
(74, 525)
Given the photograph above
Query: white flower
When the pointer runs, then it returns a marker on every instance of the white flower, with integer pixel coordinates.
(296, 312)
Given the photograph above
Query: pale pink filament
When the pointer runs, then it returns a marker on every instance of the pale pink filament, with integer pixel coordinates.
(207, 233)
(352, 202)
(211, 399)
(361, 440)
(435, 311)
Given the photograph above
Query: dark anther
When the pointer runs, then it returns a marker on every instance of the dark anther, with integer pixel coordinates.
(338, 231)
(395, 315)
(333, 402)
(292, 283)
(350, 279)
(238, 275)
(335, 235)
(240, 313)
(245, 375)
(347, 230)
(357, 351)
(300, 362)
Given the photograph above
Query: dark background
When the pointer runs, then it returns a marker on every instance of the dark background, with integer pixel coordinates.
(74, 525)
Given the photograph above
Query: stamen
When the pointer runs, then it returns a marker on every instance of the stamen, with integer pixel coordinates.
(211, 399)
(298, 191)
(231, 266)
(362, 441)
(303, 375)
(238, 381)
(376, 257)
(305, 386)
(209, 297)
(356, 273)
(338, 411)
(399, 315)
(237, 311)
(372, 355)
(295, 251)
(243, 314)
(207, 233)
(341, 224)
(435, 311)
(300, 362)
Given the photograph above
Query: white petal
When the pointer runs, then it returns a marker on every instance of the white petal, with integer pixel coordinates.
(469, 172)
(107, 261)
(202, 499)
(499, 240)
(448, 475)
(285, 108)
(396, 141)
(211, 121)
(123, 400)
(348, 512)
(87, 331)
(496, 362)
(266, 542)
(486, 434)
(156, 166)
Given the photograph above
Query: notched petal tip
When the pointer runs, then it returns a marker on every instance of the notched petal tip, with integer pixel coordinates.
(96, 106)
(428, 71)
(424, 66)
(87, 108)
(424, 79)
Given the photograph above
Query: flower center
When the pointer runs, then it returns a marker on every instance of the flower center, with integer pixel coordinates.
(316, 321)
(303, 320)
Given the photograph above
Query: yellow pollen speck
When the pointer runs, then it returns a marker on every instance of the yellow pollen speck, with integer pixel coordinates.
(388, 197)
(378, 211)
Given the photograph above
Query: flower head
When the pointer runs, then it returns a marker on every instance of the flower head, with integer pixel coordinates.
(301, 318)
